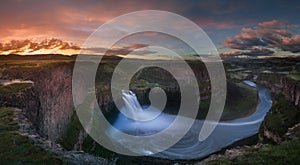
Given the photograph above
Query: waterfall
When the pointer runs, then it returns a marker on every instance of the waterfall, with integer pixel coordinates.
(133, 110)
(132, 105)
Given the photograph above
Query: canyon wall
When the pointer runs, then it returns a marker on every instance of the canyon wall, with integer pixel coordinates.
(291, 90)
(285, 111)
(48, 103)
(289, 87)
(54, 90)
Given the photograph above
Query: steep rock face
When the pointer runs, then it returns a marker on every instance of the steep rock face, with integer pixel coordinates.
(48, 104)
(285, 112)
(26, 99)
(288, 87)
(106, 103)
(54, 89)
(291, 90)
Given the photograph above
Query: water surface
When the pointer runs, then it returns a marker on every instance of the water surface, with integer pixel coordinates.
(189, 147)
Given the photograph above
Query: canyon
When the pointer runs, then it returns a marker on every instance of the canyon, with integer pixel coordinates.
(48, 102)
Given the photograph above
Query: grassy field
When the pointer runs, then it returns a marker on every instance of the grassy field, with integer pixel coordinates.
(13, 88)
(18, 149)
(24, 67)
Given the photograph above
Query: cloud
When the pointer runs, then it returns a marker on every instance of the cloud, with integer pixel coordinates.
(258, 51)
(120, 51)
(291, 44)
(28, 46)
(232, 53)
(76, 20)
(260, 40)
(125, 50)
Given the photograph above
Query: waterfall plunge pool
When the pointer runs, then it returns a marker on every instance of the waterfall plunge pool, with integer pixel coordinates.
(189, 147)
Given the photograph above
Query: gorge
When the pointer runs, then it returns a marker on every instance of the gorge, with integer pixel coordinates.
(48, 104)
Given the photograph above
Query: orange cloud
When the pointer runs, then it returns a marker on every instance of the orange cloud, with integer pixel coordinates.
(260, 40)
(45, 46)
(76, 20)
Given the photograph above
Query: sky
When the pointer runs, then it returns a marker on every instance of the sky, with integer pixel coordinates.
(238, 28)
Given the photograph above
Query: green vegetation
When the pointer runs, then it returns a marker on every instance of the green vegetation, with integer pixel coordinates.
(23, 68)
(153, 77)
(70, 136)
(141, 83)
(13, 88)
(286, 153)
(294, 75)
(238, 76)
(90, 146)
(241, 101)
(272, 78)
(282, 115)
(18, 149)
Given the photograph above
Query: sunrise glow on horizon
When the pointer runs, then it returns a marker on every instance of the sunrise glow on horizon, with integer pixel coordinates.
(61, 27)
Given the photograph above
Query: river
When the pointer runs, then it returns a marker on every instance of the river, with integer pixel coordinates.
(189, 147)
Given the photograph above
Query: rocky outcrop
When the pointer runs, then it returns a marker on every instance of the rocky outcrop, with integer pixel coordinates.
(285, 111)
(71, 157)
(282, 116)
(26, 99)
(287, 86)
(48, 103)
(293, 132)
(106, 103)
(291, 90)
(270, 135)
